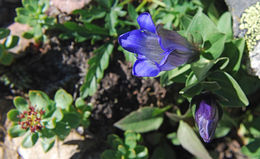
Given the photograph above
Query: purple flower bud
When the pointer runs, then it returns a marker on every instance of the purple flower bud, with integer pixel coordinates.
(157, 49)
(207, 117)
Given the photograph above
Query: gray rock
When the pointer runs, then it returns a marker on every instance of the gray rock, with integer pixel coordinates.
(246, 23)
(237, 7)
(254, 56)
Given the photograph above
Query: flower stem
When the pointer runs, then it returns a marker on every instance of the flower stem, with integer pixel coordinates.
(124, 3)
(140, 6)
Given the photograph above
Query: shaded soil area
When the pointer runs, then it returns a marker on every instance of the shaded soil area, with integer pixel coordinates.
(63, 64)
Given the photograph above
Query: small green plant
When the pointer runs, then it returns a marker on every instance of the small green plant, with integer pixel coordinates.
(33, 14)
(9, 41)
(125, 149)
(46, 119)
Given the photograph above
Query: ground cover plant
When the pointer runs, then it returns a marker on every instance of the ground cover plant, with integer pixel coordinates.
(160, 78)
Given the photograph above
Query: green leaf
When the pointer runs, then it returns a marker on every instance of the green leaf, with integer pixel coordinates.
(114, 141)
(143, 120)
(47, 143)
(4, 33)
(30, 140)
(58, 115)
(37, 31)
(21, 104)
(16, 131)
(39, 99)
(178, 74)
(231, 92)
(213, 12)
(62, 130)
(174, 139)
(71, 119)
(63, 99)
(50, 123)
(96, 12)
(217, 42)
(22, 19)
(95, 29)
(23, 11)
(201, 20)
(131, 11)
(234, 51)
(141, 152)
(13, 115)
(224, 125)
(240, 44)
(97, 65)
(201, 67)
(6, 58)
(106, 3)
(80, 103)
(189, 141)
(225, 25)
(111, 20)
(28, 35)
(210, 85)
(192, 86)
(252, 149)
(11, 41)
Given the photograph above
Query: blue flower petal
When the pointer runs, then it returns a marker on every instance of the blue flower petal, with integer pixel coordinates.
(142, 43)
(145, 68)
(173, 59)
(145, 22)
(172, 40)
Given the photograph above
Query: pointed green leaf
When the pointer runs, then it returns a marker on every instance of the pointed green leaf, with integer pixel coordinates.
(225, 25)
(217, 43)
(199, 20)
(201, 67)
(142, 120)
(97, 65)
(178, 74)
(231, 92)
(189, 141)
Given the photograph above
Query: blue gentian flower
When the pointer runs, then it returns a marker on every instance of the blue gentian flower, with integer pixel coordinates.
(157, 49)
(207, 117)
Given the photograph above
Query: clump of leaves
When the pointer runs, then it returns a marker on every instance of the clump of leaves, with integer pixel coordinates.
(8, 42)
(46, 119)
(33, 14)
(127, 148)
